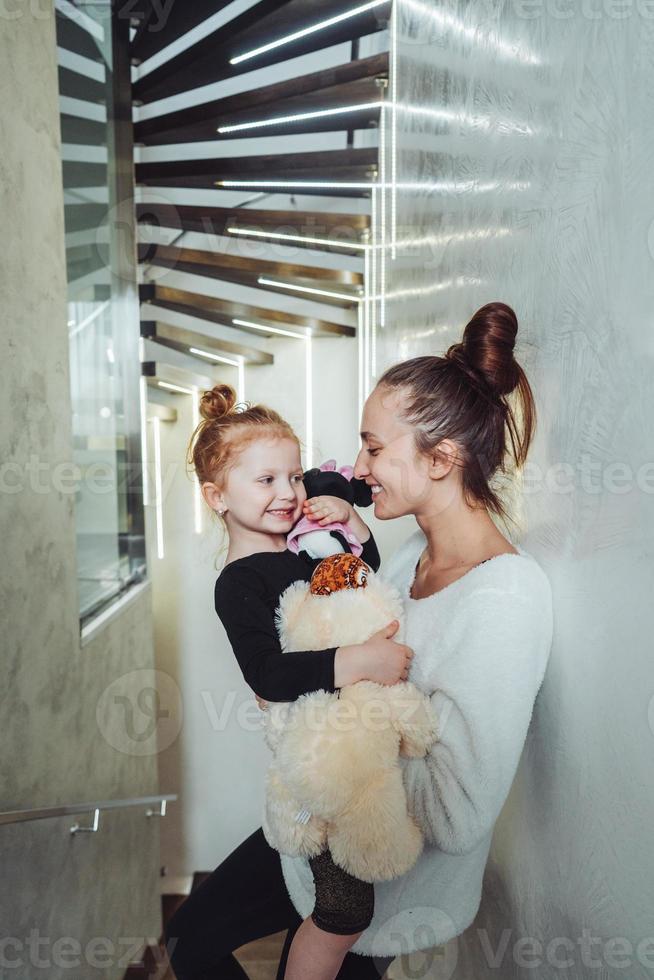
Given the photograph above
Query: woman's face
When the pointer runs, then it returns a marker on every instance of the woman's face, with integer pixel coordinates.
(388, 459)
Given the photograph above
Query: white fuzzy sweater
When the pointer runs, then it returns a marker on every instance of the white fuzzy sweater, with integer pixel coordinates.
(481, 647)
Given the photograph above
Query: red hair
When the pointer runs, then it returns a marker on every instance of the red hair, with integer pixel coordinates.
(225, 428)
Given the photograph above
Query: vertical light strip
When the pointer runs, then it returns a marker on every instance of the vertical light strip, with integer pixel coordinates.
(374, 256)
(383, 192)
(361, 398)
(308, 371)
(241, 379)
(366, 322)
(197, 493)
(143, 401)
(394, 131)
(156, 422)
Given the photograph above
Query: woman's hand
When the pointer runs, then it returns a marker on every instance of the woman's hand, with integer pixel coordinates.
(380, 659)
(327, 510)
(260, 701)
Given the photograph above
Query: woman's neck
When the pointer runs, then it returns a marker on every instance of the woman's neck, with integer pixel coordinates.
(460, 536)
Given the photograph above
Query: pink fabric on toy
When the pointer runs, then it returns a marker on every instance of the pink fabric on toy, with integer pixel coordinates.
(304, 525)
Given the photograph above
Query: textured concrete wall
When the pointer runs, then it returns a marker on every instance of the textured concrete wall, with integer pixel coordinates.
(63, 740)
(525, 148)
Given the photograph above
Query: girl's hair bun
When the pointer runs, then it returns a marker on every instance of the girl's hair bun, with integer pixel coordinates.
(488, 342)
(217, 402)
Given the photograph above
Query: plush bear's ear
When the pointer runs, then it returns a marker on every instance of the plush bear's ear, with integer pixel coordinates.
(361, 492)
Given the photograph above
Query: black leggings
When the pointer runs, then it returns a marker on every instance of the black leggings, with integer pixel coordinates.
(245, 898)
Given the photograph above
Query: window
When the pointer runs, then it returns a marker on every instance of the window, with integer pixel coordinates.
(103, 308)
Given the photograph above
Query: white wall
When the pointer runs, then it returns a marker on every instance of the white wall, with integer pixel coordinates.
(542, 196)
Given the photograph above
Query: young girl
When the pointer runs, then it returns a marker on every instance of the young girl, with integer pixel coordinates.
(249, 468)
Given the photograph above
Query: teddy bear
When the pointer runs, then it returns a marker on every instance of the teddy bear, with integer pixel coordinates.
(335, 778)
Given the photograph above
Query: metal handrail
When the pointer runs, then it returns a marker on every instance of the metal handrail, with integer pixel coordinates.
(94, 806)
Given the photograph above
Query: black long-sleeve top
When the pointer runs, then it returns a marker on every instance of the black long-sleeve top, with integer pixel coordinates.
(246, 596)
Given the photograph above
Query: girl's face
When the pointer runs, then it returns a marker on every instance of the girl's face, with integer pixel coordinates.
(264, 491)
(402, 480)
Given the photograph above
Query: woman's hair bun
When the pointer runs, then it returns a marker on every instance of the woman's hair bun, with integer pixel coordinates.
(487, 345)
(217, 402)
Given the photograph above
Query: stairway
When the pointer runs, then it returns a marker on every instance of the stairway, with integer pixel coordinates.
(256, 126)
(259, 959)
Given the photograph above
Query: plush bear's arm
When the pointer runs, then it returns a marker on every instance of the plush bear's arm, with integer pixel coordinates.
(413, 718)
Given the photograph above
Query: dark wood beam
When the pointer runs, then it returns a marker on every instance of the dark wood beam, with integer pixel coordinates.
(209, 60)
(199, 122)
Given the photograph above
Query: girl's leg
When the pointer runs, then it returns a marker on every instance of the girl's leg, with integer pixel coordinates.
(244, 899)
(343, 908)
(354, 966)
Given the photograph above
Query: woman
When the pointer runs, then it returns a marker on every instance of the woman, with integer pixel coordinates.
(479, 620)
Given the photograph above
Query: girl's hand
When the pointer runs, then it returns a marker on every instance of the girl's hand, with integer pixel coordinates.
(327, 510)
(260, 701)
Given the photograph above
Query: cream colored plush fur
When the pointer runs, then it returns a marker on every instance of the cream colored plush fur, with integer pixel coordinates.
(335, 778)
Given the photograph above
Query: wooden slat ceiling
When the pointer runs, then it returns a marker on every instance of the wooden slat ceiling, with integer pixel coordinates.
(223, 311)
(209, 59)
(239, 268)
(356, 165)
(354, 82)
(313, 91)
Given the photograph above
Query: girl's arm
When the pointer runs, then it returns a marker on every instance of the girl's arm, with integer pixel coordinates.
(240, 601)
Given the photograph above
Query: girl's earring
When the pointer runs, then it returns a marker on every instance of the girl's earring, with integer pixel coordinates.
(221, 512)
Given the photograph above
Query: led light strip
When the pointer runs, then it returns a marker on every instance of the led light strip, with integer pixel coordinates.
(158, 483)
(266, 328)
(197, 493)
(393, 73)
(308, 368)
(321, 184)
(319, 26)
(226, 360)
(373, 296)
(143, 402)
(382, 195)
(313, 291)
(279, 236)
(172, 387)
(308, 372)
(298, 117)
(360, 357)
(366, 325)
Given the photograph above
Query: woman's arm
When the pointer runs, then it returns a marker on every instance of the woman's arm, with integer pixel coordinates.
(483, 704)
(250, 627)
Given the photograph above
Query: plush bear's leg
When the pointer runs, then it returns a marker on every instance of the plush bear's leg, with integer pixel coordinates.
(377, 839)
(285, 825)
